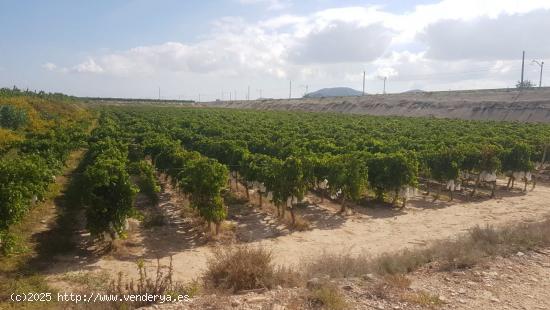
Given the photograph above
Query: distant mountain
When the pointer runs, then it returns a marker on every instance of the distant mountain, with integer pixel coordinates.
(334, 92)
(413, 91)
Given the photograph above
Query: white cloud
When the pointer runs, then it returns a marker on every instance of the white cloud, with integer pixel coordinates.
(450, 44)
(342, 42)
(49, 66)
(88, 66)
(502, 37)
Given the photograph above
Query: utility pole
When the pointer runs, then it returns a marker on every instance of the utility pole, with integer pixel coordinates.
(235, 95)
(307, 90)
(384, 78)
(248, 93)
(159, 93)
(522, 69)
(541, 65)
(230, 96)
(260, 90)
(290, 90)
(199, 97)
(364, 75)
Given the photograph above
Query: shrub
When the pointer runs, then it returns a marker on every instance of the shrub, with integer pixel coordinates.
(7, 243)
(238, 268)
(328, 297)
(160, 284)
(424, 299)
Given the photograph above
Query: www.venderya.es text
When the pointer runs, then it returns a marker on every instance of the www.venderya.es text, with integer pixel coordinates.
(97, 297)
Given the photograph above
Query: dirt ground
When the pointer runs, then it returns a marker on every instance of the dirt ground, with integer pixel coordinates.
(369, 231)
(521, 281)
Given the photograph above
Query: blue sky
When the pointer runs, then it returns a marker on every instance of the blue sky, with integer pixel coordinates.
(130, 48)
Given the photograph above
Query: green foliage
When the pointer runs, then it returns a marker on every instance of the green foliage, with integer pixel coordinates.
(347, 174)
(37, 133)
(21, 179)
(16, 92)
(147, 181)
(12, 117)
(391, 172)
(489, 160)
(518, 158)
(445, 164)
(109, 195)
(7, 243)
(291, 153)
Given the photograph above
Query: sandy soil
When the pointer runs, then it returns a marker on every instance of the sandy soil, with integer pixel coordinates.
(368, 231)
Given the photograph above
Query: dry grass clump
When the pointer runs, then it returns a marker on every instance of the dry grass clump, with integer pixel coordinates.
(481, 243)
(328, 297)
(238, 268)
(402, 262)
(391, 285)
(423, 298)
(159, 284)
(300, 224)
(468, 250)
(337, 266)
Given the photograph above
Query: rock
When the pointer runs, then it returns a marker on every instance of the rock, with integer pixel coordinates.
(443, 299)
(347, 288)
(494, 299)
(277, 307)
(313, 283)
(380, 307)
(369, 277)
(396, 307)
(471, 283)
(520, 253)
(279, 287)
(43, 221)
(462, 301)
(462, 291)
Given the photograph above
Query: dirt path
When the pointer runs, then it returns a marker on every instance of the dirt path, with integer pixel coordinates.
(372, 231)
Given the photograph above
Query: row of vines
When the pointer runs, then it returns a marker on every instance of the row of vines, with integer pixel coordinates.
(119, 159)
(37, 135)
(278, 155)
(284, 155)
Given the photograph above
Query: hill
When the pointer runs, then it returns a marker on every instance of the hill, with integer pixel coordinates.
(334, 92)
